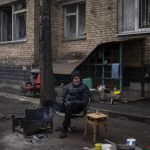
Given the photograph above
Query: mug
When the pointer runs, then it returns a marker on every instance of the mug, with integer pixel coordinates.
(131, 141)
(98, 146)
(106, 147)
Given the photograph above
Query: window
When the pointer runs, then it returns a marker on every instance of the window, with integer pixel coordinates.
(74, 24)
(144, 15)
(134, 15)
(5, 24)
(13, 21)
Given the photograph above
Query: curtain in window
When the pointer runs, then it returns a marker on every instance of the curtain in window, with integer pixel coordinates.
(19, 26)
(15, 27)
(71, 9)
(82, 20)
(75, 20)
(128, 15)
(71, 20)
(22, 25)
(6, 24)
(144, 13)
(0, 25)
(71, 26)
(5, 29)
(19, 5)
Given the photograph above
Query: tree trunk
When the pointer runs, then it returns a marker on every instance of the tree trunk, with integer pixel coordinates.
(46, 70)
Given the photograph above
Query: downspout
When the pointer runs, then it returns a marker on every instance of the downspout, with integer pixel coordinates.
(103, 67)
(142, 69)
(120, 47)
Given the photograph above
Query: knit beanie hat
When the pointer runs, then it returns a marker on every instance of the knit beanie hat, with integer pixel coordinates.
(75, 73)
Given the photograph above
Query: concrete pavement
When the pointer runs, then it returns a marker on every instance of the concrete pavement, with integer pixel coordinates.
(136, 110)
(120, 128)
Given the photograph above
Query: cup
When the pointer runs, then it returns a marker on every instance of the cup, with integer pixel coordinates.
(97, 111)
(131, 141)
(106, 146)
(98, 146)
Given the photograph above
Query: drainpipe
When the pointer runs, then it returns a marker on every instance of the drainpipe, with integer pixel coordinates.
(103, 68)
(120, 48)
(142, 69)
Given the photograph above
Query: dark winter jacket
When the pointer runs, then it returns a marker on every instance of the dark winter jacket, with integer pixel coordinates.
(76, 94)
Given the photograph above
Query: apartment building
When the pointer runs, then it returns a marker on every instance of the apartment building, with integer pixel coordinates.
(107, 40)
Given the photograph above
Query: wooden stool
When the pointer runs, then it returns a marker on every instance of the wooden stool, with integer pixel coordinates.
(96, 119)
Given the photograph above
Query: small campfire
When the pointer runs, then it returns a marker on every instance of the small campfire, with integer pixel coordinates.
(35, 120)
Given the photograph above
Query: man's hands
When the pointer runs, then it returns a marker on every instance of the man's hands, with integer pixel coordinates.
(67, 103)
(64, 102)
(61, 102)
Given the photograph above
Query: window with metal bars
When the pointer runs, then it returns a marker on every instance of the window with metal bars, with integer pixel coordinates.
(144, 13)
(134, 16)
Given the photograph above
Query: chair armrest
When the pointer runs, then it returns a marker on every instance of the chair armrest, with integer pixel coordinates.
(28, 83)
(60, 113)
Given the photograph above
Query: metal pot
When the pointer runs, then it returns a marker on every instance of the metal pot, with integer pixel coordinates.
(125, 147)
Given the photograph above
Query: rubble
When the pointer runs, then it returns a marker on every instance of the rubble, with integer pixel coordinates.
(4, 117)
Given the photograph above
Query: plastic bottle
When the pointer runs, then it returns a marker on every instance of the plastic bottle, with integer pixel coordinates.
(115, 88)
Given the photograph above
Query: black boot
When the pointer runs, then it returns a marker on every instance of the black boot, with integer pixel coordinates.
(63, 134)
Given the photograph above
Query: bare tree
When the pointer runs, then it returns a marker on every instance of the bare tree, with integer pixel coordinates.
(47, 82)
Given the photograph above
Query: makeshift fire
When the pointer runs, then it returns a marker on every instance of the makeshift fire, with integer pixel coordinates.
(35, 120)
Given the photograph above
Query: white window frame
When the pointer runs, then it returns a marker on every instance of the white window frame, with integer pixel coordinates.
(137, 29)
(77, 36)
(13, 28)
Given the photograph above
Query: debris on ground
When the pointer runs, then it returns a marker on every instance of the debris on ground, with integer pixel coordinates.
(4, 117)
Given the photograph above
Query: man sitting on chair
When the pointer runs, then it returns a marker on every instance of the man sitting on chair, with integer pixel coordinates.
(74, 99)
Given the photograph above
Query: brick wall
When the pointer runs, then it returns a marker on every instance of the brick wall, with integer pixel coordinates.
(17, 56)
(101, 27)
